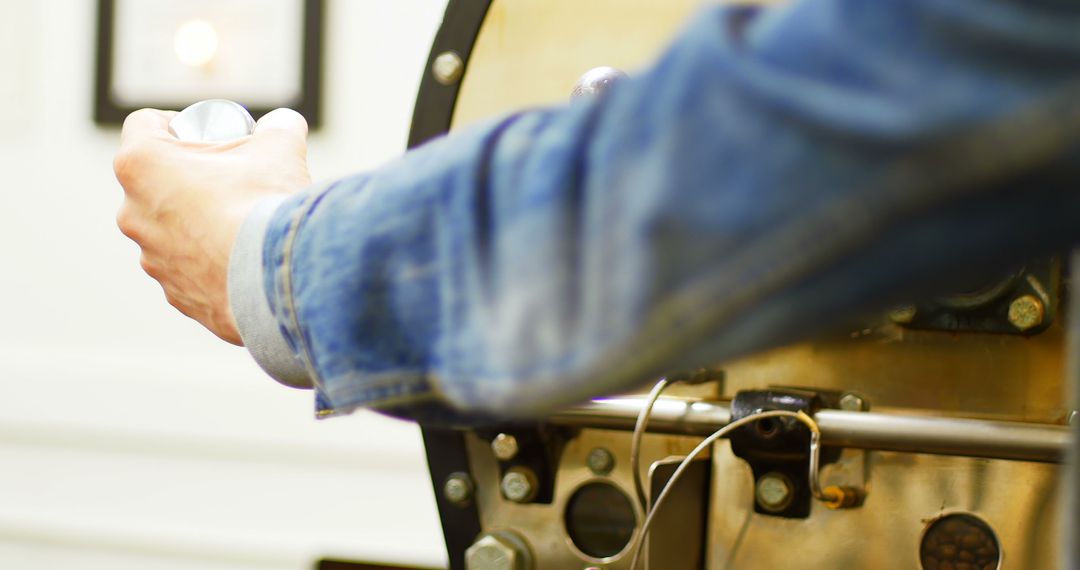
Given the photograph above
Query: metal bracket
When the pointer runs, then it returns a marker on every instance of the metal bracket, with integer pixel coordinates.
(1023, 302)
(779, 449)
(528, 458)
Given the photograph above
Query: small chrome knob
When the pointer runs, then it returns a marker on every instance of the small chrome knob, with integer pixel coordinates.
(213, 120)
(596, 81)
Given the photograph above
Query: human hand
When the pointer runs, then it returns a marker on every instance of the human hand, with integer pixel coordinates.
(185, 201)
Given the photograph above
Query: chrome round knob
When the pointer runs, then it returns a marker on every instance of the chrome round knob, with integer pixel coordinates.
(596, 81)
(213, 120)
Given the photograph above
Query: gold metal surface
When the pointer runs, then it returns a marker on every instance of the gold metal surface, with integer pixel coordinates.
(970, 374)
(1018, 500)
(531, 52)
(542, 526)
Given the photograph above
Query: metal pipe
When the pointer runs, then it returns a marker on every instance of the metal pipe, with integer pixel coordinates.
(669, 415)
(864, 430)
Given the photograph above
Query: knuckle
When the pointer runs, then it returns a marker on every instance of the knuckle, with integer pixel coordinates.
(127, 162)
(149, 267)
(125, 220)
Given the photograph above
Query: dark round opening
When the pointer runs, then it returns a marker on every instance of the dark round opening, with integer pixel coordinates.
(766, 427)
(959, 541)
(600, 520)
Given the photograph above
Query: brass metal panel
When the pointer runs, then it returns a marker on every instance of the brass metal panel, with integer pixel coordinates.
(969, 374)
(530, 52)
(542, 526)
(1019, 500)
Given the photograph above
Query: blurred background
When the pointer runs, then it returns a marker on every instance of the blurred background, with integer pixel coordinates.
(129, 436)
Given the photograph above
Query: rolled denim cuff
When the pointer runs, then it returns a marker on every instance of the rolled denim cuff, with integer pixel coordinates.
(258, 327)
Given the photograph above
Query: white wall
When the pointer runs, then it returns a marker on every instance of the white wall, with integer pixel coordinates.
(129, 437)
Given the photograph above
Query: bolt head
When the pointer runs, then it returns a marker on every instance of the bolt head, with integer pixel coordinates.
(853, 403)
(903, 315)
(458, 488)
(448, 68)
(519, 485)
(1026, 312)
(774, 492)
(600, 461)
(495, 552)
(505, 447)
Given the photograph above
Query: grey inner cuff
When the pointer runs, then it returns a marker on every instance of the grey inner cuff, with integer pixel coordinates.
(258, 328)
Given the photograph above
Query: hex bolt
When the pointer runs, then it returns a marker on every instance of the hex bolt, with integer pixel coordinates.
(774, 492)
(505, 447)
(458, 489)
(903, 315)
(1026, 312)
(853, 402)
(519, 485)
(500, 550)
(448, 68)
(600, 461)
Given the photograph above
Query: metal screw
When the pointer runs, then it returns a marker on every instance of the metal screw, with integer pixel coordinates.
(519, 485)
(853, 402)
(458, 489)
(448, 68)
(498, 551)
(600, 461)
(774, 492)
(504, 446)
(1026, 312)
(903, 315)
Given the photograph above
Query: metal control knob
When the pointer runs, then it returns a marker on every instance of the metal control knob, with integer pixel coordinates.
(213, 120)
(499, 550)
(596, 81)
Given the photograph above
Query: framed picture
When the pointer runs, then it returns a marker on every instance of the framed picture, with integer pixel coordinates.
(168, 54)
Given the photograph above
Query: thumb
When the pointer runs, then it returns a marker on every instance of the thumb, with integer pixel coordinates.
(282, 124)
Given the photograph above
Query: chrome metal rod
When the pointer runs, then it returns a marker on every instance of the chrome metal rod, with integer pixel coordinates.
(864, 430)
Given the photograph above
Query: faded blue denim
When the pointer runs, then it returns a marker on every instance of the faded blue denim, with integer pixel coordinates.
(766, 180)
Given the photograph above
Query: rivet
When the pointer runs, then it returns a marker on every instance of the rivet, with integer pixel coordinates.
(448, 68)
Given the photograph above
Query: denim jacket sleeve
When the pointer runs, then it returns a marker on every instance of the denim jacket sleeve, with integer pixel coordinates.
(758, 184)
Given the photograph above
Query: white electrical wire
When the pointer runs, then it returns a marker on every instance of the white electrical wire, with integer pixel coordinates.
(815, 435)
(635, 441)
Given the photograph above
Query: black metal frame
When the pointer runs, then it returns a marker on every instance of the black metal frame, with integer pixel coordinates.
(435, 102)
(109, 112)
(432, 115)
(446, 455)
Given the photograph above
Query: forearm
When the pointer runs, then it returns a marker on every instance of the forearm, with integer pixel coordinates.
(739, 194)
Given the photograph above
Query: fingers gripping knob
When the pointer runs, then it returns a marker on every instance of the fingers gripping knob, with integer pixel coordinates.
(213, 120)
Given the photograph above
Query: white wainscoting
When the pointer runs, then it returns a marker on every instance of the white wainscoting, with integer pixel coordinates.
(119, 463)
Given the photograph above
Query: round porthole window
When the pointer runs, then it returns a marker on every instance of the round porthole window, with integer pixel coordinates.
(600, 520)
(959, 541)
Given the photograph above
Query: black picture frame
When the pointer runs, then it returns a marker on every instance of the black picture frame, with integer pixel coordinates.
(107, 112)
